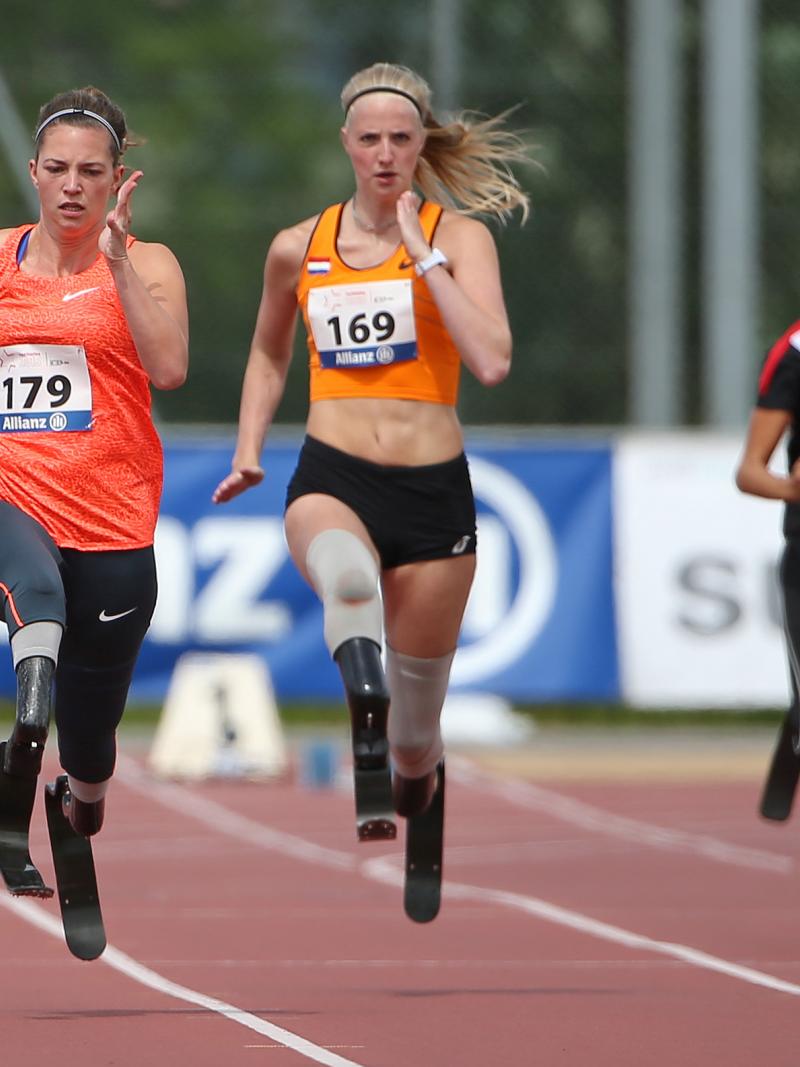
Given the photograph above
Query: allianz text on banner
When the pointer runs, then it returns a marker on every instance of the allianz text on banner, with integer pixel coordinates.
(697, 592)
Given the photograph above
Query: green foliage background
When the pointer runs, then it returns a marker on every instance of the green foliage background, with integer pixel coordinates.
(238, 103)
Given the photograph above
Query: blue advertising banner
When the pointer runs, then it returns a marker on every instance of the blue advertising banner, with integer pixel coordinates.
(540, 624)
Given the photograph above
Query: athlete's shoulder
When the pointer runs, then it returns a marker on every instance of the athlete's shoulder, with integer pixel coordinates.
(299, 233)
(792, 336)
(152, 251)
(462, 226)
(464, 239)
(9, 232)
(288, 246)
(788, 343)
(782, 360)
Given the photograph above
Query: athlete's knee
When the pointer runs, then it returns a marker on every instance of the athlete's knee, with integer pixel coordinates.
(88, 755)
(90, 703)
(35, 595)
(345, 576)
(36, 639)
(418, 688)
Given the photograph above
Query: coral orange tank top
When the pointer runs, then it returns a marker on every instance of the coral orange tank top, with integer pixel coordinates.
(78, 449)
(374, 331)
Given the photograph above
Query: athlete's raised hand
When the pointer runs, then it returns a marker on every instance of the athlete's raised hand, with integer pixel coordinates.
(410, 227)
(113, 241)
(237, 482)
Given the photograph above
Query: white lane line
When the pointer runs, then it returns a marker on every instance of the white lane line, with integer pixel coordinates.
(131, 968)
(212, 814)
(380, 869)
(384, 869)
(588, 817)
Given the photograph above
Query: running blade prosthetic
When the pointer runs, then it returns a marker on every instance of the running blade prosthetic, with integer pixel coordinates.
(359, 661)
(75, 878)
(424, 845)
(17, 796)
(783, 774)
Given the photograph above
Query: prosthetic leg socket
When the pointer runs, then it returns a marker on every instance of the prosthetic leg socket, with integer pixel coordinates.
(359, 662)
(85, 817)
(25, 749)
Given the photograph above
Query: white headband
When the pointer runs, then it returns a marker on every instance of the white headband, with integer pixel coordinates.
(80, 111)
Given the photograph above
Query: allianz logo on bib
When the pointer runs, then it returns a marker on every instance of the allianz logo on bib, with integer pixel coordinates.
(24, 422)
(355, 358)
(28, 423)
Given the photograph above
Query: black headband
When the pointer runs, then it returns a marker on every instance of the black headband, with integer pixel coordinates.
(383, 89)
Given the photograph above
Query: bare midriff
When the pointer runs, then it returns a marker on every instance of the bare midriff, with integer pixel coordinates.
(391, 432)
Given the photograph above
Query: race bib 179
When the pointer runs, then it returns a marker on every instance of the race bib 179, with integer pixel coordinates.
(44, 388)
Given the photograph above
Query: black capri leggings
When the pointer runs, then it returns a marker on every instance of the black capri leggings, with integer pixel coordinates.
(105, 601)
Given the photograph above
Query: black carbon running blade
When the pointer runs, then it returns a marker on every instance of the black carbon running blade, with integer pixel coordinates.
(422, 893)
(75, 878)
(782, 777)
(17, 796)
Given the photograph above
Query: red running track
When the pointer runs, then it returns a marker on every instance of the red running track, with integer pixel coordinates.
(597, 924)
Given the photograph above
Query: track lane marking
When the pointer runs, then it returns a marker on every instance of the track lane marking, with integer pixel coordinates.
(386, 869)
(383, 869)
(131, 968)
(209, 812)
(588, 817)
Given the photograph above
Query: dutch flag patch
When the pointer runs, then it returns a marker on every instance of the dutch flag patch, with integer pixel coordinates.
(318, 266)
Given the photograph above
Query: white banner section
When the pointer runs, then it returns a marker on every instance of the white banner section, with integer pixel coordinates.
(699, 610)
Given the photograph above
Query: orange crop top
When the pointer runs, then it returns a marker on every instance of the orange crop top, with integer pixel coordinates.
(374, 331)
(78, 449)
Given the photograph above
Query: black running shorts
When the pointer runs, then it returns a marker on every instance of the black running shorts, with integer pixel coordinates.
(411, 513)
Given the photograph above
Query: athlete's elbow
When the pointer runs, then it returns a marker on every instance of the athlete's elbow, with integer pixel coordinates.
(746, 482)
(172, 378)
(171, 373)
(496, 368)
(742, 477)
(749, 479)
(495, 372)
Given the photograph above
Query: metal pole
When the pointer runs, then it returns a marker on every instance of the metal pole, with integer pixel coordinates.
(729, 229)
(16, 142)
(446, 52)
(655, 216)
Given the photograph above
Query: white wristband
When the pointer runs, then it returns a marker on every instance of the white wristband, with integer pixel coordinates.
(434, 259)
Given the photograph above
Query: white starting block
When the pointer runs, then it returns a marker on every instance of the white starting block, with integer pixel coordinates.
(220, 719)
